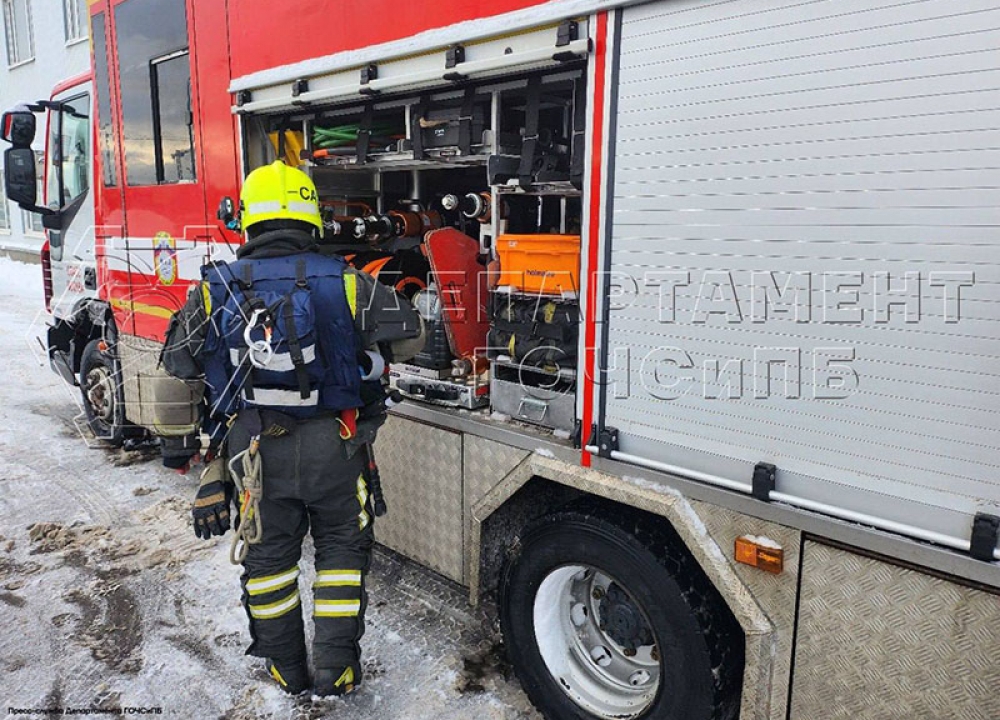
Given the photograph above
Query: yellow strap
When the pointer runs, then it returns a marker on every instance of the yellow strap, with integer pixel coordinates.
(346, 678)
(351, 290)
(363, 517)
(277, 676)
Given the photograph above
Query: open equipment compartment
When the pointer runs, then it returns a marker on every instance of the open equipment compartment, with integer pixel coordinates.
(445, 195)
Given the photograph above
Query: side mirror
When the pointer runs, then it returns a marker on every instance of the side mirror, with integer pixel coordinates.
(18, 128)
(19, 176)
(227, 214)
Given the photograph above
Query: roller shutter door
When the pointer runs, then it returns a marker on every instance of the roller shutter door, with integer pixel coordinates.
(812, 147)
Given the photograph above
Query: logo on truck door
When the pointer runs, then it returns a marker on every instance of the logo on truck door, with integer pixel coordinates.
(165, 258)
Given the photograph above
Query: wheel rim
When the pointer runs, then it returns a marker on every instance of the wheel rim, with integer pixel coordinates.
(596, 642)
(100, 394)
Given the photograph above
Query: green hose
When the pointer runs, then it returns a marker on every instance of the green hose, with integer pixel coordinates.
(340, 135)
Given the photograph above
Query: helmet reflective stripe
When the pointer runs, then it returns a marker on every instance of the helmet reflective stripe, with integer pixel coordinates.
(279, 362)
(279, 192)
(301, 207)
(282, 398)
(264, 207)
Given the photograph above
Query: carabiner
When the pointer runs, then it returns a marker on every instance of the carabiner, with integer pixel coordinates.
(260, 352)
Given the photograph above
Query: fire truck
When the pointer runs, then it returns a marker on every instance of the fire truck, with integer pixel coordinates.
(708, 404)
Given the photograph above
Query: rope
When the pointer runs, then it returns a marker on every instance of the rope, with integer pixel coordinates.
(250, 484)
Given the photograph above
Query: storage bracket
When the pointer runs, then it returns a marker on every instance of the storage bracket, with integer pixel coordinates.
(763, 481)
(985, 534)
(606, 440)
(364, 135)
(368, 73)
(454, 57)
(568, 32)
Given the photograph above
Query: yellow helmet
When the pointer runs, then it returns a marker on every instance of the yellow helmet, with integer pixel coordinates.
(279, 192)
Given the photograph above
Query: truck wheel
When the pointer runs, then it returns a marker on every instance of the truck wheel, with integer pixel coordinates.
(103, 396)
(604, 617)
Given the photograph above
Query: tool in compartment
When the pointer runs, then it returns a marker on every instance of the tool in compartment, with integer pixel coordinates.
(473, 206)
(461, 279)
(396, 224)
(534, 331)
(471, 394)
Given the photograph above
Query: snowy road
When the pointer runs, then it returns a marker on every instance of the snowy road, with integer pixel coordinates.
(107, 599)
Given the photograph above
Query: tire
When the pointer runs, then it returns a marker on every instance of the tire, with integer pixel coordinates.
(587, 586)
(103, 395)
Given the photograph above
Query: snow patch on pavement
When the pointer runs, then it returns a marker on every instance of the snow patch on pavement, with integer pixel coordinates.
(22, 280)
(110, 600)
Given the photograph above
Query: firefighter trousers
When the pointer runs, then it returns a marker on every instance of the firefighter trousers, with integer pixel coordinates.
(309, 485)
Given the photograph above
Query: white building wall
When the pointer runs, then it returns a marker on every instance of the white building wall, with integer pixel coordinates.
(55, 59)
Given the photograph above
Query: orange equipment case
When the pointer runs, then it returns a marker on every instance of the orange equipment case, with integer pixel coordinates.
(545, 264)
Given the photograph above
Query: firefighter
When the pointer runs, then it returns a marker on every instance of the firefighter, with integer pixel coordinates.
(288, 345)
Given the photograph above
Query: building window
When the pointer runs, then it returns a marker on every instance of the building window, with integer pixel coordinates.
(155, 71)
(33, 221)
(75, 19)
(17, 30)
(4, 219)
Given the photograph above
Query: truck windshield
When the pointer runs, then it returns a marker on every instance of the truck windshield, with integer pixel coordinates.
(68, 158)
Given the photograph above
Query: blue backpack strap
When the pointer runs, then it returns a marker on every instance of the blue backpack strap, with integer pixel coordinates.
(246, 288)
(292, 333)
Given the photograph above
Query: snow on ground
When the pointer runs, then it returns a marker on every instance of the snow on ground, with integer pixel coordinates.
(109, 600)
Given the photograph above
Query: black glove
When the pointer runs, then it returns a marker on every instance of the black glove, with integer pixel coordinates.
(211, 504)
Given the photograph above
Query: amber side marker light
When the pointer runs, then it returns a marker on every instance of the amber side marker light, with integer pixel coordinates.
(760, 553)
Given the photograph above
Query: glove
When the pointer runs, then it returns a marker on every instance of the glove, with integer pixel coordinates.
(211, 504)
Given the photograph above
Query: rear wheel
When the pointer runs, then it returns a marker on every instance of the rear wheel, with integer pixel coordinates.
(103, 395)
(607, 618)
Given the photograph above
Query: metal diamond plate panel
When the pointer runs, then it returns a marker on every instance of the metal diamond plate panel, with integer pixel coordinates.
(486, 463)
(877, 641)
(421, 470)
(774, 593)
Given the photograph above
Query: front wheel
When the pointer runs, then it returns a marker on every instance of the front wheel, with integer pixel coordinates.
(103, 395)
(600, 624)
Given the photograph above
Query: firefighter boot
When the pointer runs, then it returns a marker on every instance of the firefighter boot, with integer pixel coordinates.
(337, 681)
(291, 675)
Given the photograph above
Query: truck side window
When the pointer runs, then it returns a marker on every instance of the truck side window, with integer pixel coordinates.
(155, 71)
(106, 138)
(173, 121)
(69, 153)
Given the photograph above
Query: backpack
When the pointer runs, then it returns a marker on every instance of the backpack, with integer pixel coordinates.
(280, 336)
